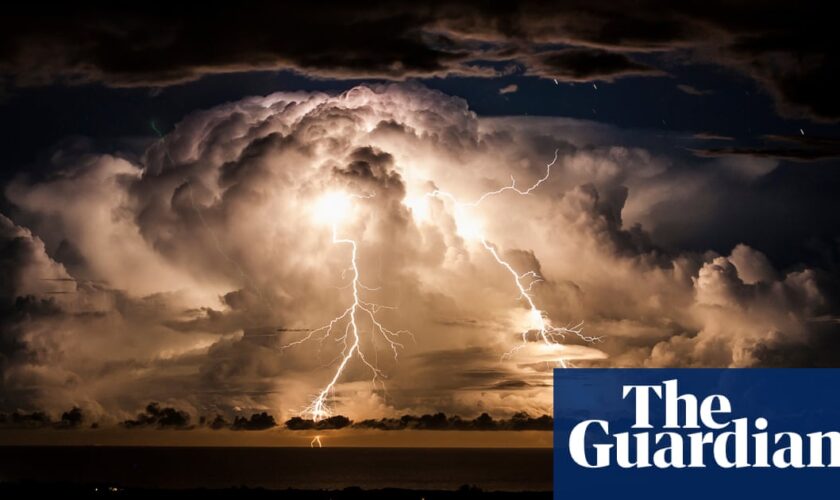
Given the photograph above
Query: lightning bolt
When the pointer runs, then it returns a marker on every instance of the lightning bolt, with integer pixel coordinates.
(316, 440)
(350, 319)
(548, 333)
(346, 327)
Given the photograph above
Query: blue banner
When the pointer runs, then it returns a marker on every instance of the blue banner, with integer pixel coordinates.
(696, 433)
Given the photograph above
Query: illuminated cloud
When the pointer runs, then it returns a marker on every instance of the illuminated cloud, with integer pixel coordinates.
(179, 278)
(509, 89)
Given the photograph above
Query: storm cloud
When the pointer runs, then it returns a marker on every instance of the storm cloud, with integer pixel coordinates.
(181, 277)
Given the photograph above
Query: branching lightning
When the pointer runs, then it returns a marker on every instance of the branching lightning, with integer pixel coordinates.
(539, 321)
(347, 327)
(334, 207)
(316, 441)
(358, 326)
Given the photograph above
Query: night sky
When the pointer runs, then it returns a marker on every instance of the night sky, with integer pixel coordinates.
(159, 165)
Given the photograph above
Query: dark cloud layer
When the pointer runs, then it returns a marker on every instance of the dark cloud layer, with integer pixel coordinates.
(583, 64)
(301, 424)
(161, 417)
(785, 47)
(70, 419)
(257, 422)
(798, 148)
(520, 421)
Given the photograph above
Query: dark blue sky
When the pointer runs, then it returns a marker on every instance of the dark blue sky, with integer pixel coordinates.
(36, 118)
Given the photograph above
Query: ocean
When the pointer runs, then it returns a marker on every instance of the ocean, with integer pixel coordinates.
(280, 468)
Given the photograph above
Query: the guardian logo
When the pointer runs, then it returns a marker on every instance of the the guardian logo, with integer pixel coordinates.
(696, 434)
(713, 434)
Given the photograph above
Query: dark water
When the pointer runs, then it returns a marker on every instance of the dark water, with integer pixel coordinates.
(280, 468)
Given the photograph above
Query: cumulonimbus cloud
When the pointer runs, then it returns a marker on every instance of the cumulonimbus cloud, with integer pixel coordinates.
(179, 278)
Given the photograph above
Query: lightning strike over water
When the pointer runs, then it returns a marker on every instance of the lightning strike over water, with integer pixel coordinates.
(348, 327)
(334, 207)
(539, 321)
(316, 441)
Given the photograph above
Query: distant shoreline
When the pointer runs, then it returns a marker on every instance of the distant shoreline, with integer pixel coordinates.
(277, 437)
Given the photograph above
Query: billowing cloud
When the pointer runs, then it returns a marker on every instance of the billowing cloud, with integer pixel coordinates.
(180, 278)
(783, 47)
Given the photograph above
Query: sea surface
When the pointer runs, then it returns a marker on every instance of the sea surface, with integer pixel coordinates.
(281, 468)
